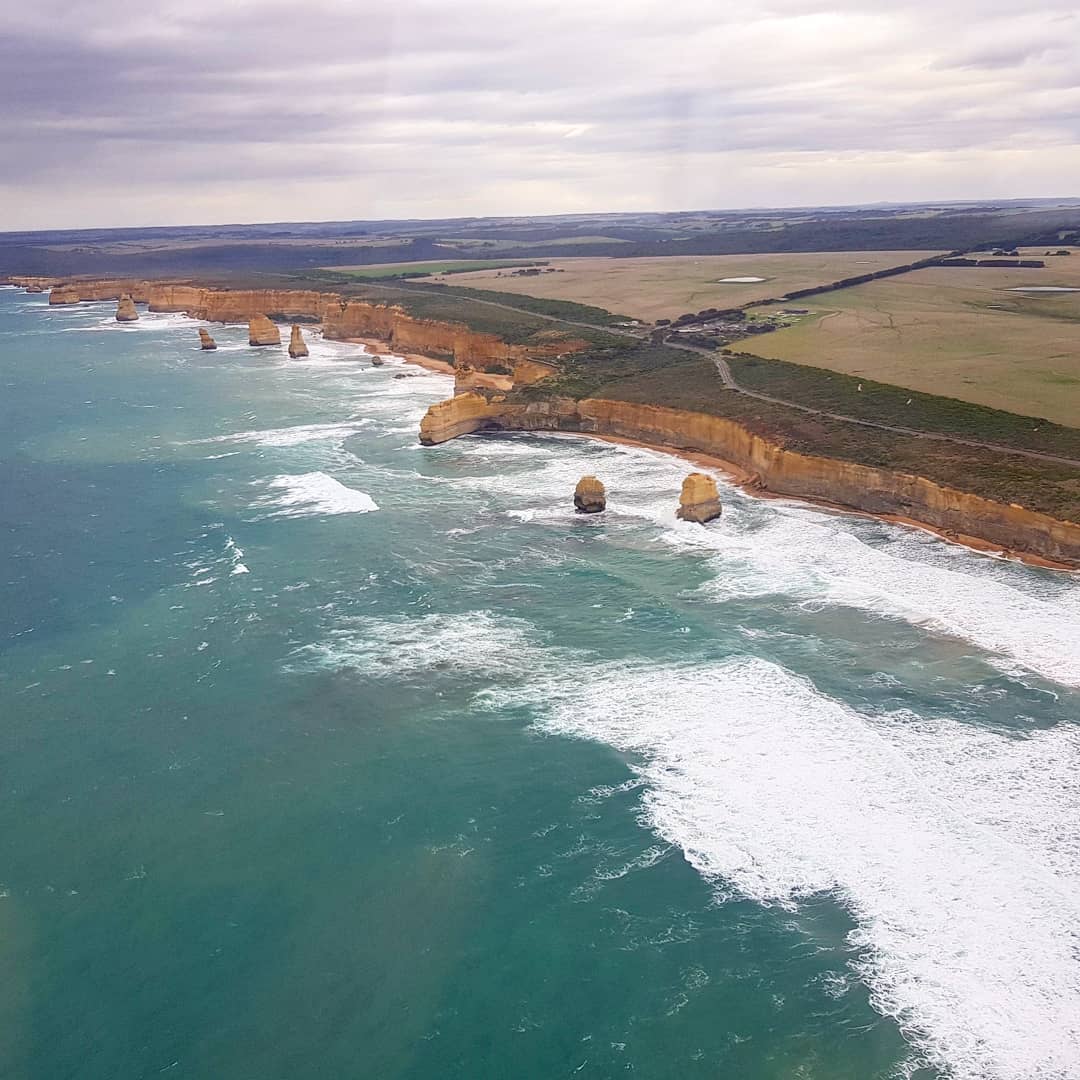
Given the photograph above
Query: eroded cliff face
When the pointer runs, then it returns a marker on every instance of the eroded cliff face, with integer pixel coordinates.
(341, 319)
(74, 292)
(769, 466)
(481, 403)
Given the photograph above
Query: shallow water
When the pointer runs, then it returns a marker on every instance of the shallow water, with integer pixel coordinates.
(327, 754)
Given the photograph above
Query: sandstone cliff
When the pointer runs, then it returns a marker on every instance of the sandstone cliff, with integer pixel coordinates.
(261, 331)
(297, 346)
(589, 496)
(483, 406)
(31, 283)
(699, 500)
(770, 466)
(206, 341)
(74, 292)
(341, 319)
(126, 311)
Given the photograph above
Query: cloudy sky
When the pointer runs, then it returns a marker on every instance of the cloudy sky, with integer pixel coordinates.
(257, 110)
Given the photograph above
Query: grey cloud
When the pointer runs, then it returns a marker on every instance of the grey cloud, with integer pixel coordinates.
(577, 103)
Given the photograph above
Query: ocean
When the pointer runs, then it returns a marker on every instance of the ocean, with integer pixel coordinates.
(325, 754)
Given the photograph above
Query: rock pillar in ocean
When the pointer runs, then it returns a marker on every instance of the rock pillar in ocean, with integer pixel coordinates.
(206, 341)
(589, 496)
(376, 360)
(699, 501)
(125, 310)
(261, 331)
(297, 346)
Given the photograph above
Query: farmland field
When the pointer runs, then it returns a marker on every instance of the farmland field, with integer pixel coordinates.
(654, 288)
(390, 270)
(956, 332)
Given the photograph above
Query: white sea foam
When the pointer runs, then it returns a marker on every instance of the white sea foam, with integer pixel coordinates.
(814, 557)
(471, 643)
(771, 548)
(956, 849)
(313, 494)
(294, 435)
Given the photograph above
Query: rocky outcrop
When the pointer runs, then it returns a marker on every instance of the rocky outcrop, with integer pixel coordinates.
(589, 496)
(297, 346)
(75, 292)
(699, 500)
(460, 415)
(206, 342)
(377, 360)
(342, 320)
(261, 331)
(125, 310)
(31, 283)
(769, 467)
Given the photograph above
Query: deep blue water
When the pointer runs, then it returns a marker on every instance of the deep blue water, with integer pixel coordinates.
(323, 754)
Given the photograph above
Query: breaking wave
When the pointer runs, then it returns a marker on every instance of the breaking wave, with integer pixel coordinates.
(313, 494)
(955, 848)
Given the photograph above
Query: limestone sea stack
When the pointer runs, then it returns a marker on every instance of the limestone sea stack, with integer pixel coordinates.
(297, 346)
(125, 310)
(207, 343)
(589, 496)
(699, 501)
(261, 331)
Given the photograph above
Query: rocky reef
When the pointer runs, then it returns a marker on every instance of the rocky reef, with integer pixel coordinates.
(589, 496)
(699, 500)
(261, 331)
(206, 342)
(297, 346)
(125, 310)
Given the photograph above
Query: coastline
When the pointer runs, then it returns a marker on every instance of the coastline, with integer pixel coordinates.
(379, 349)
(382, 346)
(744, 481)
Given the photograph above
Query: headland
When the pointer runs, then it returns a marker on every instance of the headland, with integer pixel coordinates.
(561, 374)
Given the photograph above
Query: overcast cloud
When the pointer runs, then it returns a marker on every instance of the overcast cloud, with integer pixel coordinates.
(259, 110)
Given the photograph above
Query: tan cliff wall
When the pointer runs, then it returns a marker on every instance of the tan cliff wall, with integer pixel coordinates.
(74, 292)
(859, 487)
(342, 319)
(771, 467)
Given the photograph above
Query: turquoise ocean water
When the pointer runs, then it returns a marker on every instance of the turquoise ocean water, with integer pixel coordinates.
(323, 754)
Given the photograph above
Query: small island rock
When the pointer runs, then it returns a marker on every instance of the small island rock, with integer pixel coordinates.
(376, 361)
(206, 341)
(699, 501)
(589, 496)
(261, 331)
(297, 346)
(125, 310)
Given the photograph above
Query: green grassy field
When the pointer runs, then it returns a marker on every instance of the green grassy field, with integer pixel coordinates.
(376, 271)
(883, 403)
(652, 288)
(515, 325)
(956, 332)
(693, 384)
